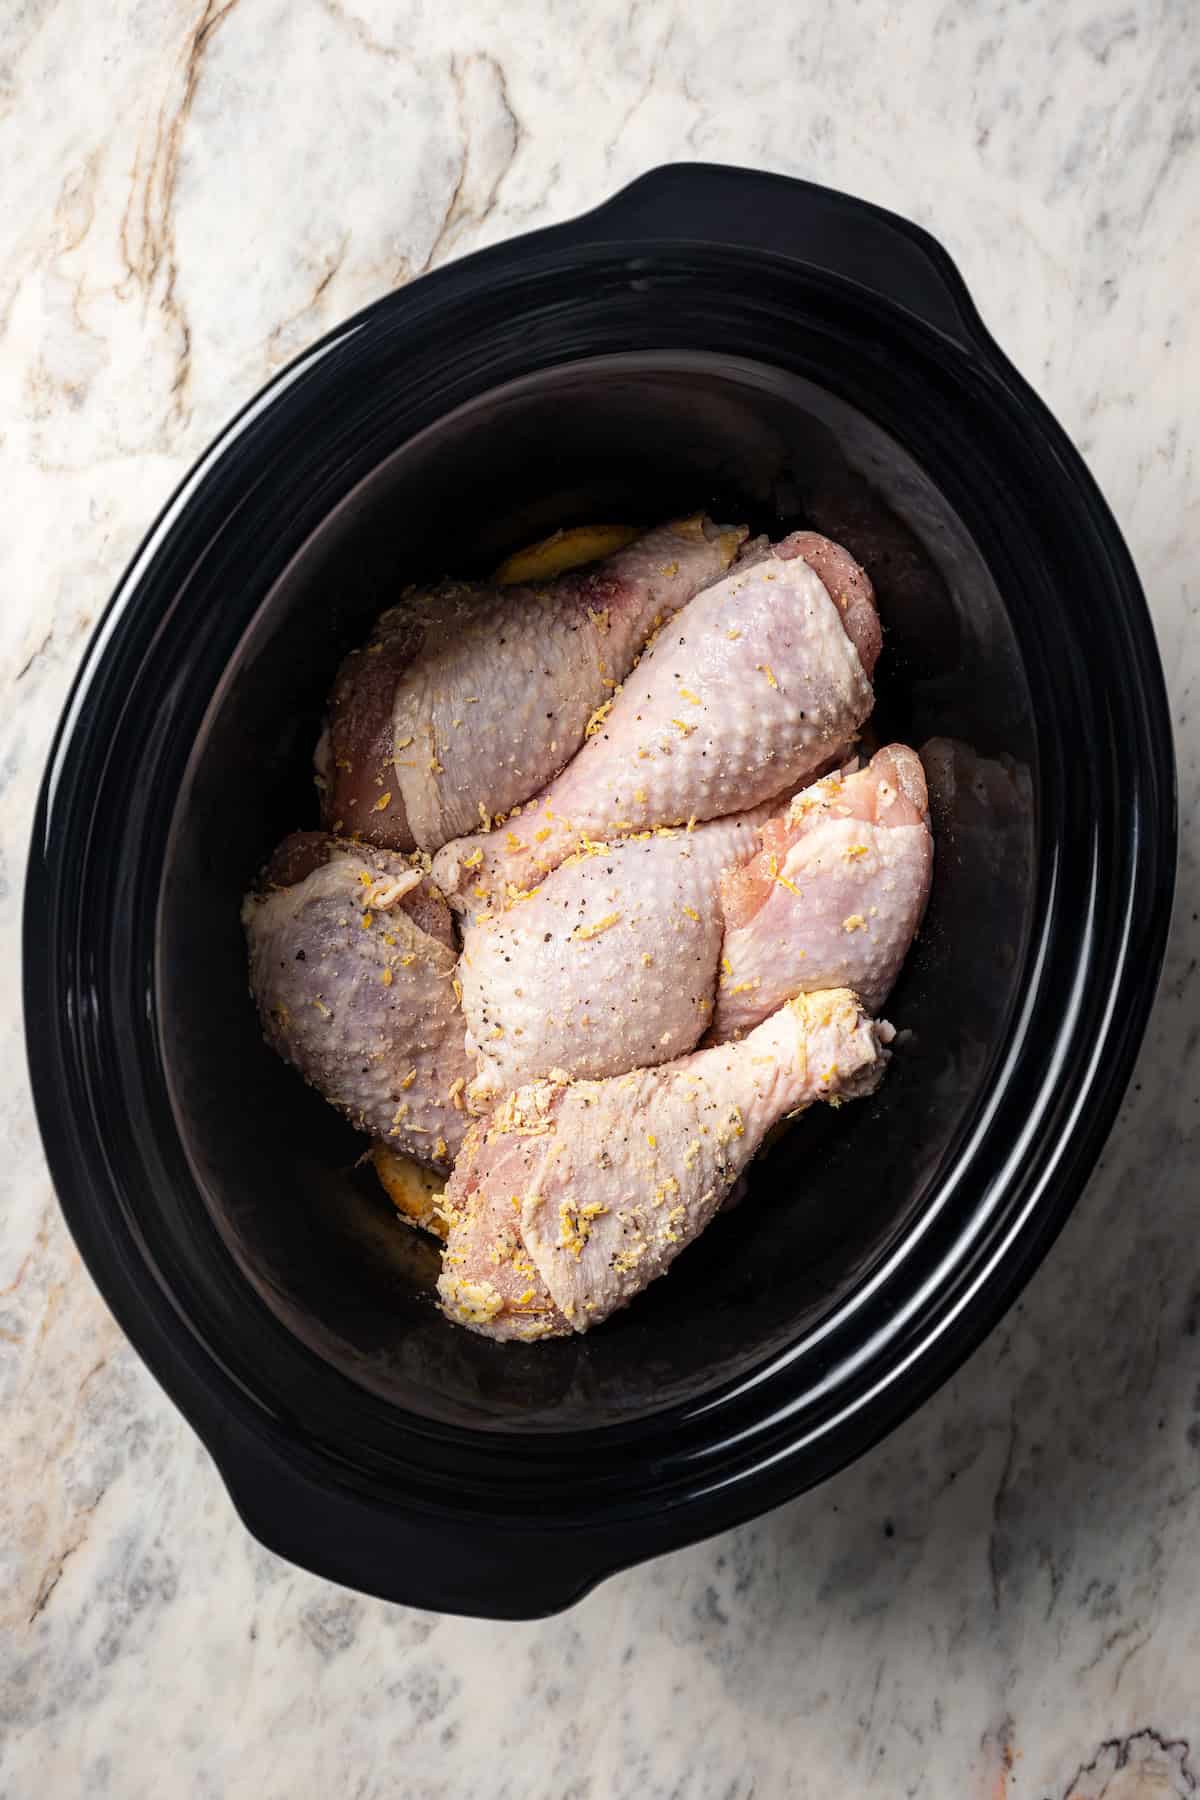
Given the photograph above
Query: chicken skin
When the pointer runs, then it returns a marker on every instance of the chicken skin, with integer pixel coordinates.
(833, 898)
(469, 697)
(573, 1196)
(758, 682)
(352, 968)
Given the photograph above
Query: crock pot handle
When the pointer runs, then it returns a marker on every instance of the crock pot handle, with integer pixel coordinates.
(440, 1564)
(833, 233)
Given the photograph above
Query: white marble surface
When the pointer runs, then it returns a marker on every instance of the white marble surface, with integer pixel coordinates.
(1004, 1600)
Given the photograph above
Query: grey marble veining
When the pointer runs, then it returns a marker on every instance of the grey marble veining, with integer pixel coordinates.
(1004, 1599)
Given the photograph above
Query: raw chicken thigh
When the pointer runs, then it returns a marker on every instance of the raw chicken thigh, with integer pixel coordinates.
(755, 686)
(352, 968)
(833, 898)
(470, 697)
(572, 1197)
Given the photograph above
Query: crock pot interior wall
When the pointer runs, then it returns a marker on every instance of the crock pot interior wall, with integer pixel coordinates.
(631, 438)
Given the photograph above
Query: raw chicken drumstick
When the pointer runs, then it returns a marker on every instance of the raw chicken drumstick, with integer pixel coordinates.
(833, 898)
(470, 697)
(611, 964)
(757, 683)
(573, 1196)
(352, 967)
(628, 953)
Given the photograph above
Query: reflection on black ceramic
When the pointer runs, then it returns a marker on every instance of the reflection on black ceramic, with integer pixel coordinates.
(709, 339)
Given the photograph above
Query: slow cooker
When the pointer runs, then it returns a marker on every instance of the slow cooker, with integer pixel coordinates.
(711, 337)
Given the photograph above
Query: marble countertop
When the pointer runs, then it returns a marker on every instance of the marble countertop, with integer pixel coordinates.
(1004, 1599)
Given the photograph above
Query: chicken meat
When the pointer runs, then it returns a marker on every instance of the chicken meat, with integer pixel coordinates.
(352, 967)
(834, 896)
(760, 680)
(469, 697)
(573, 1196)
